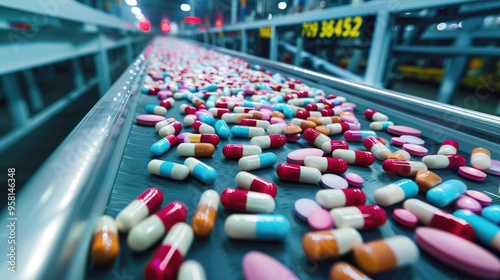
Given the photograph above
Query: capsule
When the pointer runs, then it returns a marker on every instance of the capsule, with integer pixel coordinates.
(144, 205)
(155, 109)
(326, 164)
(195, 150)
(206, 118)
(315, 107)
(297, 173)
(330, 244)
(359, 217)
(235, 117)
(345, 271)
(277, 128)
(203, 138)
(254, 162)
(315, 138)
(247, 201)
(206, 212)
(171, 129)
(163, 123)
(377, 148)
(222, 129)
(303, 124)
(203, 128)
(448, 147)
(255, 123)
(429, 215)
(105, 243)
(354, 157)
(269, 141)
(262, 227)
(301, 101)
(334, 198)
(200, 170)
(375, 116)
(443, 161)
(169, 256)
(247, 131)
(332, 145)
(480, 158)
(399, 155)
(486, 231)
(167, 103)
(304, 114)
(382, 125)
(163, 145)
(240, 109)
(403, 168)
(218, 112)
(338, 128)
(237, 151)
(386, 254)
(492, 214)
(446, 192)
(168, 169)
(254, 183)
(358, 135)
(187, 109)
(329, 120)
(396, 192)
(147, 232)
(191, 270)
(189, 120)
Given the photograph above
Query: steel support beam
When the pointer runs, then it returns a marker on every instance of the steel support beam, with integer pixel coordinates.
(297, 57)
(244, 42)
(17, 105)
(101, 62)
(35, 97)
(379, 49)
(273, 45)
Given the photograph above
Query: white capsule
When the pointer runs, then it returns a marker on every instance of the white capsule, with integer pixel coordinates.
(189, 120)
(191, 270)
(380, 125)
(277, 128)
(145, 234)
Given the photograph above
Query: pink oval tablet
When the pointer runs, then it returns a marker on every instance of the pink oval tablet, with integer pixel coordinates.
(468, 203)
(298, 156)
(320, 219)
(181, 138)
(148, 119)
(412, 139)
(349, 104)
(292, 138)
(494, 168)
(259, 266)
(458, 252)
(415, 150)
(471, 173)
(405, 217)
(354, 179)
(397, 141)
(483, 199)
(275, 120)
(403, 130)
(333, 181)
(304, 206)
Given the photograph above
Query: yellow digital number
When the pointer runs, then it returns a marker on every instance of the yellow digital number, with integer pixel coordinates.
(265, 32)
(327, 28)
(338, 28)
(347, 27)
(358, 21)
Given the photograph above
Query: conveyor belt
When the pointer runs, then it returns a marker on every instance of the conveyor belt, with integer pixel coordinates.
(220, 256)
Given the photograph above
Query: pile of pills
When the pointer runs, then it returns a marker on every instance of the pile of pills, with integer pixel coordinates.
(225, 98)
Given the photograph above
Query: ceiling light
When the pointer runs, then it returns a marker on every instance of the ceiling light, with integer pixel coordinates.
(140, 16)
(131, 2)
(135, 10)
(441, 26)
(269, 16)
(186, 7)
(282, 5)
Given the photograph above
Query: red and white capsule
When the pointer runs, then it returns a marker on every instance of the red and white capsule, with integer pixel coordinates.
(377, 148)
(338, 128)
(167, 103)
(315, 107)
(218, 112)
(163, 123)
(332, 145)
(203, 128)
(334, 198)
(171, 129)
(187, 109)
(254, 183)
(144, 205)
(403, 168)
(269, 141)
(373, 115)
(255, 123)
(297, 173)
(247, 201)
(326, 164)
(359, 217)
(443, 161)
(315, 138)
(237, 151)
(448, 147)
(355, 157)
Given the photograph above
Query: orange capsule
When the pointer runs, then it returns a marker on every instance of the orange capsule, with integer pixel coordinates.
(317, 121)
(328, 244)
(303, 124)
(105, 244)
(345, 271)
(427, 180)
(277, 114)
(195, 149)
(205, 214)
(323, 130)
(329, 120)
(256, 115)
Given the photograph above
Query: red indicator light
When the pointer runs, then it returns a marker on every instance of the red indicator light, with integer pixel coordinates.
(145, 25)
(165, 26)
(192, 20)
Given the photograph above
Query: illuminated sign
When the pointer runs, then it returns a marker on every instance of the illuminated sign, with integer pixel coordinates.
(144, 25)
(165, 26)
(343, 27)
(265, 32)
(192, 20)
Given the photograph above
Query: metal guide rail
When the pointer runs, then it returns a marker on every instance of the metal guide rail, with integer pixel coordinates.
(102, 166)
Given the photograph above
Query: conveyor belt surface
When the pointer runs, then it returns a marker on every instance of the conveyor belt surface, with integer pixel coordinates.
(220, 256)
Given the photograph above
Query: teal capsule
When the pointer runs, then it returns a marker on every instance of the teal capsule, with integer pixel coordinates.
(222, 129)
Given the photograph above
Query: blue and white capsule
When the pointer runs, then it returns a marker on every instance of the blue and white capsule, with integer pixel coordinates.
(486, 231)
(247, 131)
(492, 213)
(167, 169)
(207, 118)
(163, 145)
(222, 129)
(155, 109)
(380, 125)
(262, 227)
(200, 170)
(396, 192)
(254, 162)
(446, 192)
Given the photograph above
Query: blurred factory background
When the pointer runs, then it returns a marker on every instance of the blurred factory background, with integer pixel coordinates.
(59, 56)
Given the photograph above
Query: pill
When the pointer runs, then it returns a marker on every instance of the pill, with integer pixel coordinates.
(399, 155)
(377, 148)
(247, 131)
(380, 125)
(203, 138)
(163, 145)
(254, 162)
(480, 197)
(315, 107)
(263, 227)
(358, 135)
(229, 105)
(334, 198)
(187, 109)
(471, 173)
(374, 115)
(195, 150)
(168, 258)
(237, 151)
(385, 254)
(486, 231)
(292, 129)
(218, 112)
(354, 157)
(359, 216)
(354, 180)
(315, 138)
(415, 150)
(405, 217)
(301, 101)
(298, 156)
(278, 128)
(320, 219)
(333, 181)
(409, 139)
(297, 173)
(147, 232)
(480, 158)
(304, 114)
(163, 123)
(403, 168)
(240, 109)
(330, 244)
(403, 130)
(255, 123)
(200, 170)
(247, 201)
(326, 164)
(457, 252)
(167, 103)
(345, 271)
(396, 141)
(150, 90)
(448, 147)
(181, 137)
(269, 141)
(144, 205)
(235, 117)
(303, 207)
(202, 128)
(222, 129)
(494, 168)
(205, 214)
(173, 128)
(148, 119)
(277, 120)
(254, 183)
(333, 145)
(191, 270)
(465, 202)
(259, 266)
(443, 161)
(155, 109)
(105, 242)
(303, 124)
(446, 192)
(427, 180)
(396, 192)
(206, 118)
(434, 217)
(342, 127)
(492, 213)
(276, 114)
(168, 169)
